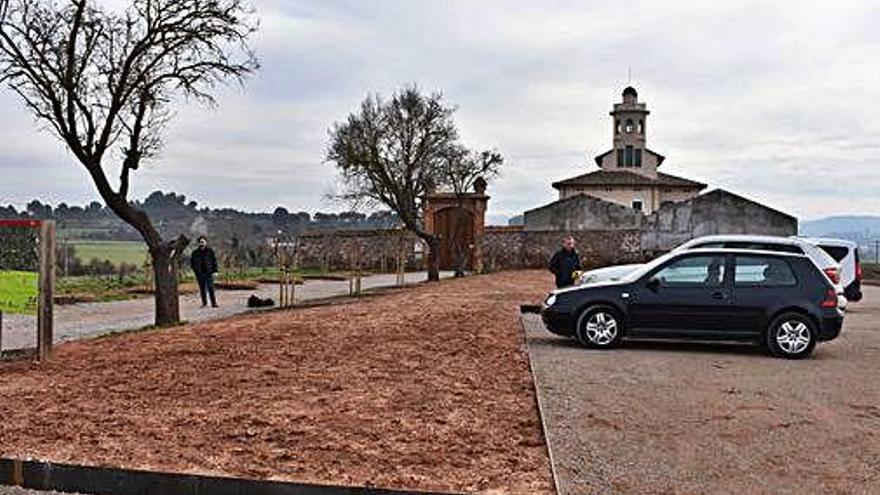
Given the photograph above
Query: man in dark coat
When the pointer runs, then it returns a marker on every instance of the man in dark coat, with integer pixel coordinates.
(565, 262)
(204, 266)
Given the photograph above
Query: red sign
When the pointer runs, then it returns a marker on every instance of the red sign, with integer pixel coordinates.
(27, 224)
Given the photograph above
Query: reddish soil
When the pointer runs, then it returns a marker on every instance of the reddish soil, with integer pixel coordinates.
(425, 388)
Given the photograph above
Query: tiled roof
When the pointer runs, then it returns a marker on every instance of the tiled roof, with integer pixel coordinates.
(606, 178)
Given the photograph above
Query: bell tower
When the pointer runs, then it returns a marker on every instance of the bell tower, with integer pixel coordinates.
(630, 152)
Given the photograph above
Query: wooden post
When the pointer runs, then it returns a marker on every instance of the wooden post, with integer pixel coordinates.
(47, 290)
(280, 255)
(357, 267)
(401, 261)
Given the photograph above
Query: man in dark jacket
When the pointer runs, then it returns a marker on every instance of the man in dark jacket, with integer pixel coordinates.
(565, 262)
(204, 266)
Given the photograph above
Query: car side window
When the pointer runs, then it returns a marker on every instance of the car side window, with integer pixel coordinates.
(693, 271)
(763, 271)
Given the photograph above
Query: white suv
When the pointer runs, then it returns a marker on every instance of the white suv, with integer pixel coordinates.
(847, 254)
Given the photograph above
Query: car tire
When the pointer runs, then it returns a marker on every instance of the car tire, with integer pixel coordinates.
(600, 327)
(791, 336)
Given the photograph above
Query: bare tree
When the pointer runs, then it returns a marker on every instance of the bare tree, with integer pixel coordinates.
(389, 152)
(463, 171)
(105, 82)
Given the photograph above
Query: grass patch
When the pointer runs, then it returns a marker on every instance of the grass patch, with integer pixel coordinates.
(116, 252)
(871, 271)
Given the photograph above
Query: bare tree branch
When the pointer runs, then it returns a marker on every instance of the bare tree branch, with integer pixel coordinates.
(96, 79)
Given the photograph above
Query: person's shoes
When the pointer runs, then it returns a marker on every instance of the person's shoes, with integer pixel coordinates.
(215, 305)
(204, 305)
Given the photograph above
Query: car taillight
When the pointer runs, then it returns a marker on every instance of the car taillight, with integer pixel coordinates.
(830, 300)
(858, 271)
(833, 274)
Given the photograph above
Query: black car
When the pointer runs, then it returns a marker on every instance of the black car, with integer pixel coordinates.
(780, 300)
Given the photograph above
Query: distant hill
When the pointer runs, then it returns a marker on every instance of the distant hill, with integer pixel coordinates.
(173, 215)
(863, 229)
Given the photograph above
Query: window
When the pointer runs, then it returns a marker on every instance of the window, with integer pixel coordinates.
(620, 158)
(637, 204)
(628, 160)
(629, 126)
(763, 271)
(638, 162)
(617, 127)
(693, 271)
(836, 252)
(641, 126)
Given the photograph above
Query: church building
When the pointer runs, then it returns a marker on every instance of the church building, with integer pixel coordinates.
(628, 173)
(629, 193)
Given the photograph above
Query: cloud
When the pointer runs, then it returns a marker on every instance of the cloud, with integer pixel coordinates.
(775, 101)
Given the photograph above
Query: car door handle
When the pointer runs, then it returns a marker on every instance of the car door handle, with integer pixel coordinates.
(719, 295)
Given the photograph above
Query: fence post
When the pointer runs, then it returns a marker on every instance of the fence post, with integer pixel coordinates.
(47, 289)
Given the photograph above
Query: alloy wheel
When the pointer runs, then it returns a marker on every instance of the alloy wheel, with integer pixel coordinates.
(793, 336)
(601, 328)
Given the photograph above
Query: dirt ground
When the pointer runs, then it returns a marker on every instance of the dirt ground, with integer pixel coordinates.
(677, 418)
(425, 388)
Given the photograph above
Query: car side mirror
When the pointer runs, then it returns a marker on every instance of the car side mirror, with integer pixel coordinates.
(653, 284)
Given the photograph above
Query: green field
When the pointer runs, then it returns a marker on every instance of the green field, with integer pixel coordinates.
(116, 252)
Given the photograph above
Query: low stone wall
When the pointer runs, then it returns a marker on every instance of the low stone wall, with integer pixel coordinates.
(335, 250)
(506, 248)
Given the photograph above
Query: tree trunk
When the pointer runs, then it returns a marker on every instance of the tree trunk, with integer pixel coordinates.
(433, 243)
(166, 287)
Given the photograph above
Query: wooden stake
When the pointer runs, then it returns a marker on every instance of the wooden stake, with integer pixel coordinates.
(47, 290)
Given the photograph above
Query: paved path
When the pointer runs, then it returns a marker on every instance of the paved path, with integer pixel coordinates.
(91, 319)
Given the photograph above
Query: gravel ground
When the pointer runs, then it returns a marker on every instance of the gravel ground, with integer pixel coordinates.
(76, 321)
(660, 418)
(424, 388)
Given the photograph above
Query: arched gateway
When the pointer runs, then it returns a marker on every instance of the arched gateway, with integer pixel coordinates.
(459, 221)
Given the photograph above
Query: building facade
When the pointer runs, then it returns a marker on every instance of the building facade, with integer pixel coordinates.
(628, 174)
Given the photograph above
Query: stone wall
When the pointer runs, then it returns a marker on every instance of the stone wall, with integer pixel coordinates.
(506, 248)
(582, 213)
(335, 249)
(716, 212)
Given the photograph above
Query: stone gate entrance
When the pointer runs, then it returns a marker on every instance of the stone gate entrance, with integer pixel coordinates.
(459, 221)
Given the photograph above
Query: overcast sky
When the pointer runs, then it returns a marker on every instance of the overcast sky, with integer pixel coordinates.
(777, 101)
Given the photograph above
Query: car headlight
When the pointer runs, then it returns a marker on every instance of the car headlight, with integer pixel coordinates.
(551, 299)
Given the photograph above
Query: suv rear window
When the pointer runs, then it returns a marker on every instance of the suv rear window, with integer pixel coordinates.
(763, 271)
(836, 252)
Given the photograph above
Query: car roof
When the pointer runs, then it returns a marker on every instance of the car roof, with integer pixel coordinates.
(746, 237)
(828, 241)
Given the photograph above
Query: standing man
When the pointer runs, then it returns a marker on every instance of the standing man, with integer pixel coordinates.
(204, 266)
(565, 262)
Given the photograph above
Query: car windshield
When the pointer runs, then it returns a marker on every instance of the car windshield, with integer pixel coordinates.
(647, 267)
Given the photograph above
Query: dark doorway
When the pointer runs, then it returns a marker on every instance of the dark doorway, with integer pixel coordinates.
(455, 226)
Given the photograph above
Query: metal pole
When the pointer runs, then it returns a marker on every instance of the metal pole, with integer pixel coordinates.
(1, 333)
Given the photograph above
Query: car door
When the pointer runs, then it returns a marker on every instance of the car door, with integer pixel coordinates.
(760, 284)
(689, 295)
